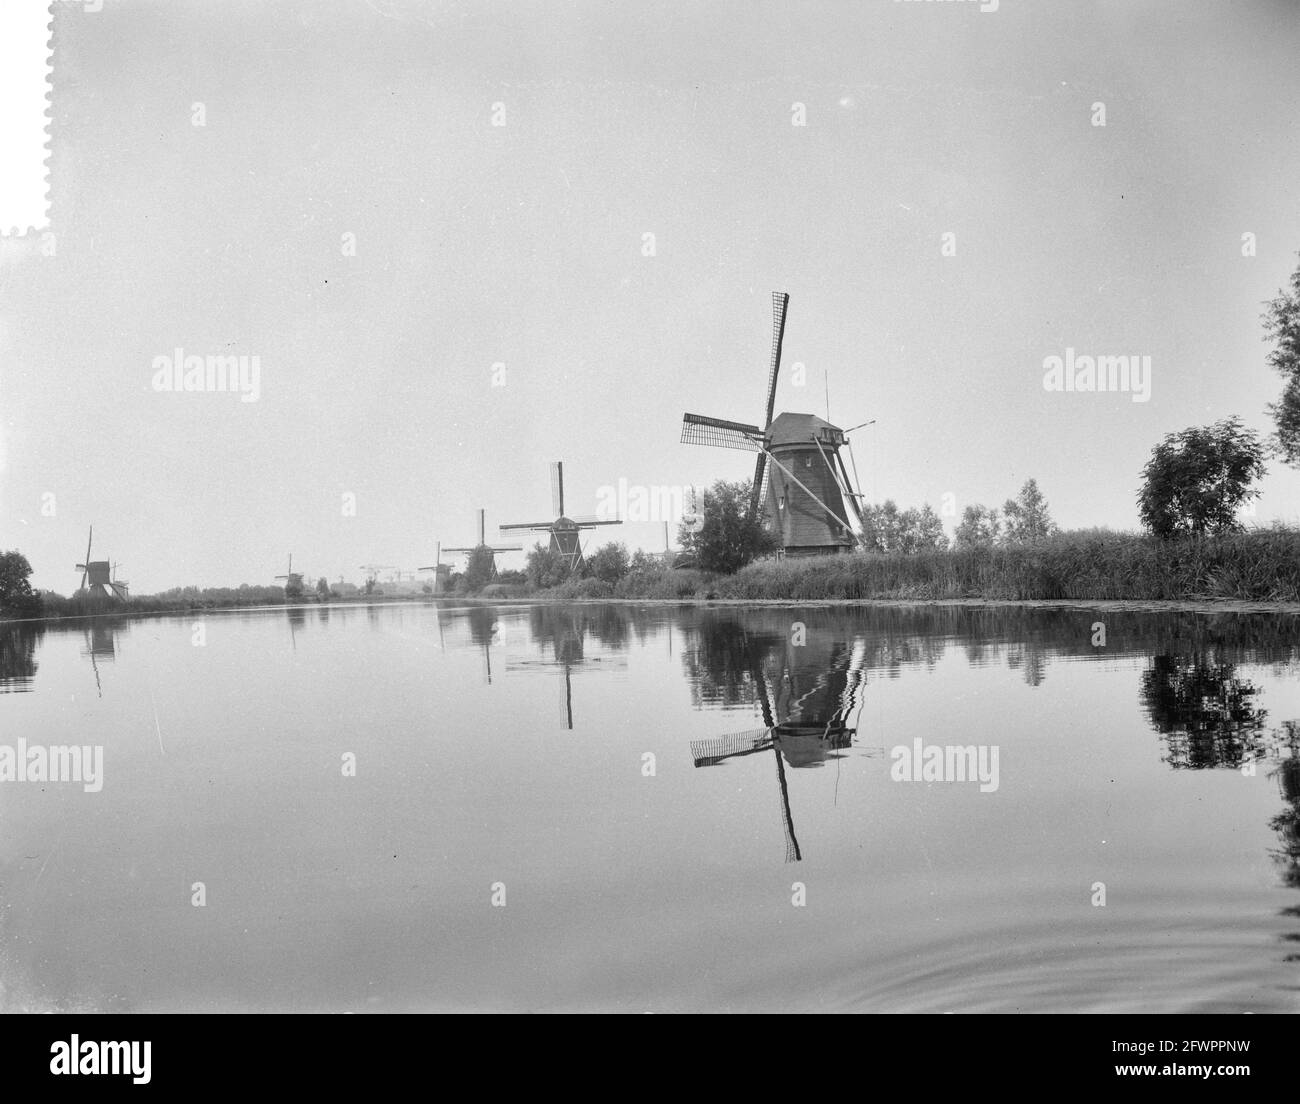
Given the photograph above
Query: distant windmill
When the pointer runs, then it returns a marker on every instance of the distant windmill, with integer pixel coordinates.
(441, 573)
(97, 576)
(292, 579)
(482, 543)
(801, 485)
(565, 531)
(372, 572)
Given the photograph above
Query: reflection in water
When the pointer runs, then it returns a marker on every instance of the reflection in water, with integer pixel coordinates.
(297, 620)
(816, 694)
(559, 633)
(100, 645)
(1206, 714)
(1287, 823)
(18, 643)
(971, 903)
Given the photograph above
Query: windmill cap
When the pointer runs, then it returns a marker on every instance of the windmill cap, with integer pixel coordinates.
(797, 429)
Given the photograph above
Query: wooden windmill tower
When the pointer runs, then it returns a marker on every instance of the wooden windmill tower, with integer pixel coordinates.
(482, 543)
(801, 485)
(97, 576)
(565, 531)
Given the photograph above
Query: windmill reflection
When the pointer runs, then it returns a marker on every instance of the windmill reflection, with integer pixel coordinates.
(561, 636)
(100, 645)
(809, 695)
(484, 630)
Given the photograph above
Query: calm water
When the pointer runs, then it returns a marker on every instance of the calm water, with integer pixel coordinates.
(652, 789)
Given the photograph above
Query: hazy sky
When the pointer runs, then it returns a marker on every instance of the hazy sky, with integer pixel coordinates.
(523, 244)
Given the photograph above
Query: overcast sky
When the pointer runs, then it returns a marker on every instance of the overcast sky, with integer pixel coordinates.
(524, 244)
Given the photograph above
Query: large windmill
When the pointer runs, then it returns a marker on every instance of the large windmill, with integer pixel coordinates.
(482, 543)
(97, 576)
(565, 531)
(801, 485)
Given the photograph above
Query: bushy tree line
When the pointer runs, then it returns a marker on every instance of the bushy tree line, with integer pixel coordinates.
(885, 528)
(1024, 519)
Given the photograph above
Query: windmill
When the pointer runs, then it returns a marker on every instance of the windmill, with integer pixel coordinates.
(565, 531)
(441, 571)
(482, 543)
(801, 490)
(292, 579)
(372, 574)
(97, 576)
(816, 723)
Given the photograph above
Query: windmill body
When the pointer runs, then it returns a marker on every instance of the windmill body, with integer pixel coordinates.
(565, 532)
(802, 490)
(97, 576)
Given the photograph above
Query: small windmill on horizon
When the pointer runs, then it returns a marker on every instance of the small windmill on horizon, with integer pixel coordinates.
(801, 484)
(482, 543)
(565, 532)
(292, 579)
(97, 576)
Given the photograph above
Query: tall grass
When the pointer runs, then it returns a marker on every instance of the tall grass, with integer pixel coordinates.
(84, 604)
(1261, 565)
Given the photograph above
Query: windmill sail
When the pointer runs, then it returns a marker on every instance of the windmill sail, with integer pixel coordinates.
(779, 303)
(557, 488)
(700, 430)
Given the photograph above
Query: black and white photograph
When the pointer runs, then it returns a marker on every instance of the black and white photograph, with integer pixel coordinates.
(581, 507)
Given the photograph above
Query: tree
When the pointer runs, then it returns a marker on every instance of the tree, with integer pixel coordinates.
(885, 529)
(728, 538)
(480, 567)
(1196, 480)
(17, 599)
(1282, 326)
(644, 562)
(323, 588)
(1026, 516)
(928, 531)
(545, 567)
(881, 527)
(979, 527)
(609, 563)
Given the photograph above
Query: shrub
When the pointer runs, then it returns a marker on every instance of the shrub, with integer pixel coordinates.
(609, 563)
(17, 599)
(729, 538)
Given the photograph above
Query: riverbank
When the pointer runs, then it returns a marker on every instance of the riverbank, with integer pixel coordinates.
(1256, 571)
